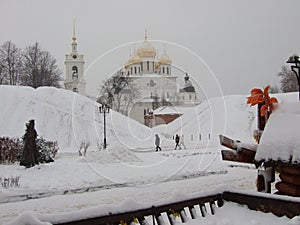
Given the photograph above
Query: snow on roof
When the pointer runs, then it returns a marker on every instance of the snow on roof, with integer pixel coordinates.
(166, 110)
(280, 139)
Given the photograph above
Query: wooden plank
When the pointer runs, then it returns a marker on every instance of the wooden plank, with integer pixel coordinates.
(236, 145)
(229, 155)
(227, 142)
(279, 207)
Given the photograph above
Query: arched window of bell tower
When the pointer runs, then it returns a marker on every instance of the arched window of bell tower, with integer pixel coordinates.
(74, 72)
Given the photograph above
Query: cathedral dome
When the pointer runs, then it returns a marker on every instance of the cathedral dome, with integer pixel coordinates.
(135, 59)
(147, 51)
(165, 59)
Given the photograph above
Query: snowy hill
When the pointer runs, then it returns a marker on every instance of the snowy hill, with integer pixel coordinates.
(71, 119)
(130, 168)
(66, 117)
(202, 125)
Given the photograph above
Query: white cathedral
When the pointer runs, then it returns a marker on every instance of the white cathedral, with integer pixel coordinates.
(150, 75)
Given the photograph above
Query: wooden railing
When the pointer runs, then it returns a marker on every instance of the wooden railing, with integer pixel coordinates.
(193, 208)
(266, 203)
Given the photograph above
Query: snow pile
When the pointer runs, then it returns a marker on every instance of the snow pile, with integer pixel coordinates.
(71, 119)
(201, 125)
(66, 117)
(166, 110)
(280, 139)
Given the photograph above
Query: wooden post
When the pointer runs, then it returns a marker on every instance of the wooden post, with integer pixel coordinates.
(183, 216)
(203, 210)
(212, 207)
(193, 212)
(159, 219)
(143, 221)
(171, 217)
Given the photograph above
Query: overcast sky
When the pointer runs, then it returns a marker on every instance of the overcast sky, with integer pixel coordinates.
(242, 43)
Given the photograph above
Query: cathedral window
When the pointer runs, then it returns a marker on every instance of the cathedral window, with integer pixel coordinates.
(135, 70)
(163, 69)
(74, 72)
(190, 97)
(147, 65)
(168, 70)
(130, 70)
(152, 83)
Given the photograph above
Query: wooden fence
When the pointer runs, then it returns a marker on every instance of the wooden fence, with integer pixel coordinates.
(193, 208)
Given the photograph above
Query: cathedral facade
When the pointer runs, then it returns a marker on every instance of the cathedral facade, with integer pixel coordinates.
(148, 75)
(155, 82)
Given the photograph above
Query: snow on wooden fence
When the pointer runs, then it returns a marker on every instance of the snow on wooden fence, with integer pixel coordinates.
(193, 208)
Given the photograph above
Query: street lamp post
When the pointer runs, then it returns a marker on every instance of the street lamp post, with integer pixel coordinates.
(294, 59)
(104, 109)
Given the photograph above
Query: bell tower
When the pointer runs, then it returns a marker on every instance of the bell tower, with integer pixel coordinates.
(74, 63)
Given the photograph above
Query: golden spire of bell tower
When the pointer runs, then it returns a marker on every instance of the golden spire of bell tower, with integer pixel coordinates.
(74, 35)
(74, 42)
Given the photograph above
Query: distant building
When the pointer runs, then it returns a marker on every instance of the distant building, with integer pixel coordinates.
(162, 115)
(153, 78)
(74, 63)
(188, 94)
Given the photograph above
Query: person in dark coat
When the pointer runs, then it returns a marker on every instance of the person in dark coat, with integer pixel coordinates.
(177, 142)
(30, 152)
(157, 142)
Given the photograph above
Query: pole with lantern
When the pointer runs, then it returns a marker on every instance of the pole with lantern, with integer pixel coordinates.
(119, 83)
(295, 64)
(104, 108)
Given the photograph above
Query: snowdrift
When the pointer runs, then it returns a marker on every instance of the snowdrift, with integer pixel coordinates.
(72, 119)
(66, 117)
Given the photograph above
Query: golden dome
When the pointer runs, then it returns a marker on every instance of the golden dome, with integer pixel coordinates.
(127, 64)
(165, 59)
(135, 59)
(147, 51)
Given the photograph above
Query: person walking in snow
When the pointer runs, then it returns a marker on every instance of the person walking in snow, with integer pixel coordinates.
(181, 142)
(177, 142)
(157, 142)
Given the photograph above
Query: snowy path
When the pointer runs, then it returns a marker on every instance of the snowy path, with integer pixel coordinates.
(156, 176)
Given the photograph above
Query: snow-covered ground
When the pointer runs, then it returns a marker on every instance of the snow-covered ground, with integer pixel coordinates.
(129, 168)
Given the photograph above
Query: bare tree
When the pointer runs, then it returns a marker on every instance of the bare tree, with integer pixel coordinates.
(2, 74)
(274, 89)
(39, 68)
(119, 92)
(10, 63)
(288, 82)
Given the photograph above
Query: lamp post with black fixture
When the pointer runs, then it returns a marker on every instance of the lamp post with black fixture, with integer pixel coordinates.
(294, 59)
(119, 83)
(104, 108)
